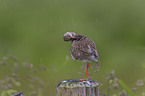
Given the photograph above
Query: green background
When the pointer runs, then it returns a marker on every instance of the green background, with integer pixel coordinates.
(32, 31)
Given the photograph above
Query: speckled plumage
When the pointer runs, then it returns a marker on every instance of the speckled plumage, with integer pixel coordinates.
(82, 48)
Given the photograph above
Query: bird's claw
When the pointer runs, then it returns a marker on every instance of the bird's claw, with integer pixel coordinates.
(83, 80)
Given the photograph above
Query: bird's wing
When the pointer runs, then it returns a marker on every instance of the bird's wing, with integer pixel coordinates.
(92, 46)
(83, 49)
(88, 47)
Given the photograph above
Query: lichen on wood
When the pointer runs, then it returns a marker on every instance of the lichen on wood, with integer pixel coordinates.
(78, 88)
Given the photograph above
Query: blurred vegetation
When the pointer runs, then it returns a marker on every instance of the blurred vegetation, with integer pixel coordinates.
(16, 76)
(32, 30)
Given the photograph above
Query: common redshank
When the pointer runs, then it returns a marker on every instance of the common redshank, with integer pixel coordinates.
(82, 48)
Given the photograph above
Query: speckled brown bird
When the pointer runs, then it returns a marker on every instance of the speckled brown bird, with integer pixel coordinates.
(82, 48)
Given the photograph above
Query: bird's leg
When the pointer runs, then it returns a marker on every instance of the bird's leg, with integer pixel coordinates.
(86, 73)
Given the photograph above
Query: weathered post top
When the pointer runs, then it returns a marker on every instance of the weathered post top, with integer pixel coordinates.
(78, 88)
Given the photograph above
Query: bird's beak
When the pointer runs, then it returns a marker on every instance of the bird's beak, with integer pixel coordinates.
(74, 38)
(71, 37)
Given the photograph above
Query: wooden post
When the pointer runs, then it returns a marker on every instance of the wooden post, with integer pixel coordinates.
(18, 94)
(78, 88)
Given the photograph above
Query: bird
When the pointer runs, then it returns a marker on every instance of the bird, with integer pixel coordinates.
(82, 48)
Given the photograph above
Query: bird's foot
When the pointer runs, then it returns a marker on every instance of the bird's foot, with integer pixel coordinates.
(83, 80)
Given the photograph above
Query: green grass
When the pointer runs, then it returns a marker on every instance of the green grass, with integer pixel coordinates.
(127, 89)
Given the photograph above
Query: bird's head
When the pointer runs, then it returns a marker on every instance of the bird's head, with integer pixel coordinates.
(70, 36)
